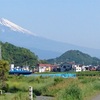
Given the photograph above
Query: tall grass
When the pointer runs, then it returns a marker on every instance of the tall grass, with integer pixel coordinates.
(60, 88)
(17, 96)
(71, 92)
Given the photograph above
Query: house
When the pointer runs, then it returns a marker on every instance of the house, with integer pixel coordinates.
(92, 68)
(44, 67)
(84, 68)
(55, 68)
(77, 68)
(67, 66)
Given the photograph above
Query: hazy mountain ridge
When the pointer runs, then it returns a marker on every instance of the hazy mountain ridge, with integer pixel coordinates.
(44, 48)
(75, 56)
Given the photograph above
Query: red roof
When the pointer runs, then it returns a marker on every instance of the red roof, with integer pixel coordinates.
(46, 65)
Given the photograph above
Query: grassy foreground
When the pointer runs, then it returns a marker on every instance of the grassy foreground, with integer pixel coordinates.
(80, 88)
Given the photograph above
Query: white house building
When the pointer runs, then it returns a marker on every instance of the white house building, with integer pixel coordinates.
(77, 68)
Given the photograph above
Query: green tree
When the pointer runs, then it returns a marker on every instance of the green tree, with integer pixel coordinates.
(19, 56)
(43, 61)
(4, 67)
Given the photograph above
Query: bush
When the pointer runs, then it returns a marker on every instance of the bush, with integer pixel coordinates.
(5, 87)
(34, 96)
(37, 92)
(13, 89)
(40, 91)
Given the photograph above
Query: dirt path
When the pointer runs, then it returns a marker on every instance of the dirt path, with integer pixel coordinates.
(96, 98)
(43, 98)
(51, 98)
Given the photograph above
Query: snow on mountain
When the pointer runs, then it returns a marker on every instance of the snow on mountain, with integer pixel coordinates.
(44, 48)
(13, 26)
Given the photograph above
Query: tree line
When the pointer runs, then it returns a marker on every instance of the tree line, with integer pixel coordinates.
(18, 55)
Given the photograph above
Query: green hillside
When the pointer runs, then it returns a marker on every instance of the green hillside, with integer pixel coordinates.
(18, 55)
(77, 57)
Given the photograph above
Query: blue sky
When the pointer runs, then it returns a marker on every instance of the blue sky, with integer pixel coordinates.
(71, 21)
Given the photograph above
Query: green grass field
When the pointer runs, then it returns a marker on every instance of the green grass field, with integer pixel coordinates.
(82, 87)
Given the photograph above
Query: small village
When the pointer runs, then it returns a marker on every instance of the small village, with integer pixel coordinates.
(64, 67)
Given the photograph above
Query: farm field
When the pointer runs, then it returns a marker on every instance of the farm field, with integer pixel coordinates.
(83, 87)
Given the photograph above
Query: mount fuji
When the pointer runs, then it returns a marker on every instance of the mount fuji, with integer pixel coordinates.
(44, 48)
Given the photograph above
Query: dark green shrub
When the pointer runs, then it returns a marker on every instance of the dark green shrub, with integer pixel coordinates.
(34, 96)
(13, 89)
(5, 87)
(40, 91)
(37, 92)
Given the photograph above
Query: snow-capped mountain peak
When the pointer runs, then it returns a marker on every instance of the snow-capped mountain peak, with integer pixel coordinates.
(13, 26)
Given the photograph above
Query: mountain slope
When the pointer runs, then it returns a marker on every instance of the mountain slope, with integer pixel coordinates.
(17, 55)
(12, 33)
(44, 48)
(77, 57)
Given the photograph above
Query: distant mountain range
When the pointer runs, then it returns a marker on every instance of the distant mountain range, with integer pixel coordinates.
(75, 56)
(44, 48)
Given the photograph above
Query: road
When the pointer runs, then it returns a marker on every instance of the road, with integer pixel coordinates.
(43, 98)
(96, 98)
(51, 98)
